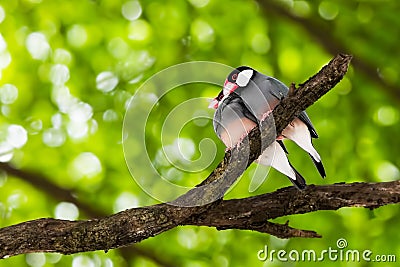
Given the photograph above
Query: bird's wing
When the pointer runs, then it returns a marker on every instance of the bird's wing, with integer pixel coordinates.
(275, 156)
(304, 118)
(276, 88)
(279, 90)
(232, 120)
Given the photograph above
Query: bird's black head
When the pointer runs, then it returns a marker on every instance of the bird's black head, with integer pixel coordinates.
(239, 77)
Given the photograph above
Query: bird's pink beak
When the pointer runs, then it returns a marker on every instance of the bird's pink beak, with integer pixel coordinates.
(229, 87)
(213, 104)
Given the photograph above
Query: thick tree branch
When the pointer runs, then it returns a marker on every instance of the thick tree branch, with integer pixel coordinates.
(134, 225)
(43, 183)
(290, 201)
(248, 214)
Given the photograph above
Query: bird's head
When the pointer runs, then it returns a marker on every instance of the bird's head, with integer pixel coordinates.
(239, 77)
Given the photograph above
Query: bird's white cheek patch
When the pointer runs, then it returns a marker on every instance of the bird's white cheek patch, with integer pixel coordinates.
(244, 77)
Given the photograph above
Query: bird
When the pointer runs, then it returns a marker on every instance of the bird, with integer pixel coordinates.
(246, 99)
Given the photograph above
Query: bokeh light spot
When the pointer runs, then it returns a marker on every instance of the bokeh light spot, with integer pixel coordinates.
(59, 74)
(82, 261)
(35, 259)
(80, 112)
(63, 98)
(389, 74)
(386, 116)
(202, 31)
(77, 36)
(3, 44)
(53, 137)
(6, 152)
(5, 60)
(77, 129)
(110, 115)
(106, 81)
(125, 200)
(301, 8)
(34, 125)
(201, 118)
(57, 120)
(38, 46)
(86, 165)
(66, 211)
(387, 171)
(139, 30)
(118, 47)
(16, 199)
(108, 263)
(53, 257)
(131, 10)
(187, 238)
(17, 136)
(328, 10)
(199, 3)
(8, 94)
(186, 147)
(62, 56)
(260, 43)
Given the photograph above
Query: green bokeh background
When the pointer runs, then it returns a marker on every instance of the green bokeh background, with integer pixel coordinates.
(47, 46)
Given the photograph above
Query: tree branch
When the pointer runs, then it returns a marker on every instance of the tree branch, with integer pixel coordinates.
(43, 183)
(134, 225)
(251, 213)
(289, 201)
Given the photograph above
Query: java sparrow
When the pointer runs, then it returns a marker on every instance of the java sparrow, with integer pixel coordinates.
(245, 100)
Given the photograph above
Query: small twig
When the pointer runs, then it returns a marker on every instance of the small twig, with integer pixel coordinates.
(292, 88)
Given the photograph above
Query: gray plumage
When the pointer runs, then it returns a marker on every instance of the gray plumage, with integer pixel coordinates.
(245, 100)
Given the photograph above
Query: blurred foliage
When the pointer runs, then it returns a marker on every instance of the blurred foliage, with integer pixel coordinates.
(68, 68)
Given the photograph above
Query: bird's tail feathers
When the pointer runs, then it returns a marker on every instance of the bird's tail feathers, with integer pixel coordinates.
(300, 182)
(319, 166)
(280, 142)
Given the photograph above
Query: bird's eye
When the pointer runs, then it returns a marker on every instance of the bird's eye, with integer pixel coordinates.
(234, 77)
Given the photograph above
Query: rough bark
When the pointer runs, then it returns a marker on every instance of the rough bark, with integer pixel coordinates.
(253, 213)
(134, 225)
